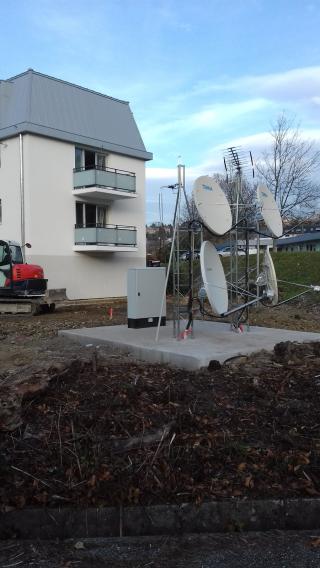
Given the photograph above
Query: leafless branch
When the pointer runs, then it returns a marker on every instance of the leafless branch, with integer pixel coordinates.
(289, 168)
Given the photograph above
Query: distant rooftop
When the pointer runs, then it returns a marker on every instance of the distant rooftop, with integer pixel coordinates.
(39, 104)
(304, 238)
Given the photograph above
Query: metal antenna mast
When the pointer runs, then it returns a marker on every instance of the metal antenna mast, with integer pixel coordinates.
(236, 163)
(182, 280)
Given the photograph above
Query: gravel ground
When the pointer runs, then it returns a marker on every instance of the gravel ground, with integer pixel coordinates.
(273, 549)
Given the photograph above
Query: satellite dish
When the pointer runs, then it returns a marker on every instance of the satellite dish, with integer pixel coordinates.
(269, 211)
(213, 277)
(212, 205)
(270, 278)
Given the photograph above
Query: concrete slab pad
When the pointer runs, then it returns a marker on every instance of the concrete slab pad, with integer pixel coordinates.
(212, 341)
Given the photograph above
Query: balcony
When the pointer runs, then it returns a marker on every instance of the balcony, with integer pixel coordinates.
(103, 183)
(105, 238)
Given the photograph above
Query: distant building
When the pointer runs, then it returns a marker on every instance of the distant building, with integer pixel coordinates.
(224, 249)
(307, 242)
(156, 229)
(308, 225)
(72, 183)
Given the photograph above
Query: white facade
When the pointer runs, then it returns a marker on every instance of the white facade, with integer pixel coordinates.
(39, 206)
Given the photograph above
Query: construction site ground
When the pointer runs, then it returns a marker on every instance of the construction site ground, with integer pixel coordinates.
(85, 426)
(82, 426)
(88, 421)
(26, 340)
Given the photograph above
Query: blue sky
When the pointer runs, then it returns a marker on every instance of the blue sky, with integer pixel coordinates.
(199, 75)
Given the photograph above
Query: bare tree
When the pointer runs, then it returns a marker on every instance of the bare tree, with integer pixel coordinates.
(188, 212)
(246, 198)
(289, 169)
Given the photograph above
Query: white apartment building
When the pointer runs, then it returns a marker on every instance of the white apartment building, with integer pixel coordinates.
(72, 183)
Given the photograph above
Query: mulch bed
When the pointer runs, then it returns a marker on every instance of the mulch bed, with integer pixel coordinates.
(105, 433)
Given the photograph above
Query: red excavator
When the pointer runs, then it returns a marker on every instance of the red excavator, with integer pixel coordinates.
(17, 278)
(22, 286)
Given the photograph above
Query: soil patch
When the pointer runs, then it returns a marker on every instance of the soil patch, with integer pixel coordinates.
(107, 431)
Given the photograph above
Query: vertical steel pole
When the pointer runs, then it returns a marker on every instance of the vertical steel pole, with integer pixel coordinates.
(22, 206)
(258, 255)
(168, 271)
(192, 284)
(180, 179)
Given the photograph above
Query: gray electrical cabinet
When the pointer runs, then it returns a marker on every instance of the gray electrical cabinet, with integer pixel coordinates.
(145, 287)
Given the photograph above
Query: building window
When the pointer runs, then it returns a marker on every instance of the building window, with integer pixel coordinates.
(90, 215)
(78, 158)
(89, 159)
(79, 213)
(101, 161)
(101, 216)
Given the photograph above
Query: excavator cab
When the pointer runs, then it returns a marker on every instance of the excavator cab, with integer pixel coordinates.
(17, 278)
(5, 266)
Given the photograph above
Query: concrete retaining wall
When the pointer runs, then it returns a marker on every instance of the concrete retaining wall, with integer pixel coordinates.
(224, 516)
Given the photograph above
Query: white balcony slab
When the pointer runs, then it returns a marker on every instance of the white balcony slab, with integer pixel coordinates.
(103, 193)
(103, 248)
(212, 341)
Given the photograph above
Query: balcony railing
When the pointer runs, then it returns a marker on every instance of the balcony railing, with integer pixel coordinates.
(105, 235)
(97, 176)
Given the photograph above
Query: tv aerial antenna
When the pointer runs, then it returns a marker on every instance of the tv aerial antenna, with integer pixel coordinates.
(238, 164)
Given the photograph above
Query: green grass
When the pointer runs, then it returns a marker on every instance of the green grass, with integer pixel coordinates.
(299, 267)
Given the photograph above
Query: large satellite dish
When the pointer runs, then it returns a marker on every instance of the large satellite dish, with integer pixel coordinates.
(270, 278)
(213, 277)
(269, 211)
(212, 205)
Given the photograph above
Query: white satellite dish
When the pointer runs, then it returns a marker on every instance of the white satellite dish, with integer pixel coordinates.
(213, 277)
(269, 211)
(270, 278)
(212, 205)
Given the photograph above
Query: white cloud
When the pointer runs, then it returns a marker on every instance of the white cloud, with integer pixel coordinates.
(253, 142)
(293, 84)
(210, 116)
(167, 176)
(225, 112)
(311, 134)
(301, 83)
(161, 173)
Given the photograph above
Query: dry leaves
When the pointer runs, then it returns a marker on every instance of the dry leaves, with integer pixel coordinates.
(137, 434)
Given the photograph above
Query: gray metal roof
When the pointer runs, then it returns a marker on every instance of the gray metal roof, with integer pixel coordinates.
(306, 237)
(39, 104)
